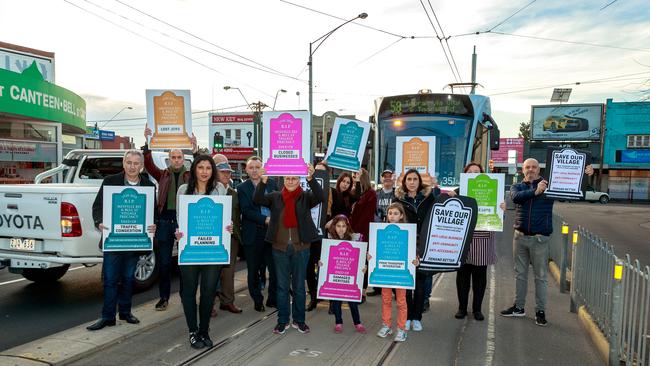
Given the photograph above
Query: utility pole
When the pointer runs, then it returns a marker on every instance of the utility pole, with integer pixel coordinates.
(473, 71)
(257, 108)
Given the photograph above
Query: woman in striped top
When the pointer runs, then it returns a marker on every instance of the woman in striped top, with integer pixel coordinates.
(482, 253)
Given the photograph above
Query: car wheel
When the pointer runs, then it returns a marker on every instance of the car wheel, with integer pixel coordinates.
(146, 272)
(603, 199)
(47, 275)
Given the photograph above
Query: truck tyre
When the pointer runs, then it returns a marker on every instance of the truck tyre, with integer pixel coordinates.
(146, 272)
(47, 275)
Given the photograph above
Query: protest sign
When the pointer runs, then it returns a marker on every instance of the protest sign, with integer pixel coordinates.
(566, 170)
(286, 143)
(169, 116)
(203, 219)
(348, 144)
(392, 250)
(488, 191)
(341, 274)
(127, 212)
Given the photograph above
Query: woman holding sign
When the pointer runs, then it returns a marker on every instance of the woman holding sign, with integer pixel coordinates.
(417, 200)
(482, 253)
(343, 197)
(291, 232)
(203, 180)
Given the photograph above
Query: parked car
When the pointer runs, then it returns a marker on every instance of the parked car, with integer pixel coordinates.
(593, 195)
(565, 124)
(45, 227)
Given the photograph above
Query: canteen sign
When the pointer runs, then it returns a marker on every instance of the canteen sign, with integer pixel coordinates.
(346, 149)
(128, 211)
(285, 146)
(27, 94)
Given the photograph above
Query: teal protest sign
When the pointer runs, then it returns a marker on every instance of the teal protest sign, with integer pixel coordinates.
(128, 211)
(349, 139)
(392, 251)
(203, 220)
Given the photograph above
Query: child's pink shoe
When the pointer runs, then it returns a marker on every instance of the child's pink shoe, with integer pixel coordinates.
(360, 328)
(338, 328)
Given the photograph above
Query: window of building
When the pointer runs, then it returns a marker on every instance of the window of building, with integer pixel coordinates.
(228, 134)
(638, 141)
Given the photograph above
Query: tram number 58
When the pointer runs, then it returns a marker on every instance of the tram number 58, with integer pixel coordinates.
(305, 353)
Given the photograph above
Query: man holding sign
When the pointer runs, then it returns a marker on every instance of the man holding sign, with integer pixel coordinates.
(119, 266)
(533, 227)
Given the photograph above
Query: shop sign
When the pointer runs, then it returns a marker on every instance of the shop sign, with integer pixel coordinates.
(27, 151)
(27, 94)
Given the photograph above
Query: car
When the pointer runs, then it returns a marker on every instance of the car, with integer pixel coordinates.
(565, 124)
(593, 195)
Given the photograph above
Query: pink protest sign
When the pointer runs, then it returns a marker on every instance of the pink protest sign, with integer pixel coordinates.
(286, 143)
(341, 275)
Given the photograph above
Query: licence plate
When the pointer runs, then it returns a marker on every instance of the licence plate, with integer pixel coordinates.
(22, 244)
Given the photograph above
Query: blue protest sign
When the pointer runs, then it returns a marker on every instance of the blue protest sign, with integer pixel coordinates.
(392, 251)
(202, 220)
(128, 211)
(348, 144)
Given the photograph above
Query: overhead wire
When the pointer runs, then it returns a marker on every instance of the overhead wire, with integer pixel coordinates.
(446, 40)
(200, 38)
(440, 41)
(512, 15)
(378, 52)
(160, 44)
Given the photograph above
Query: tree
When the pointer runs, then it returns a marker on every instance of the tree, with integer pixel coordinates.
(524, 131)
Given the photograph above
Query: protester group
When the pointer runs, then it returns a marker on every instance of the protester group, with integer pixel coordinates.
(272, 224)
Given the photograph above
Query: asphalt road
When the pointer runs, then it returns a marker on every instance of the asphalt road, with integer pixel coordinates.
(29, 311)
(626, 226)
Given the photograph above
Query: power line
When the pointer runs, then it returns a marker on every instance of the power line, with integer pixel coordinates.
(593, 81)
(195, 112)
(202, 39)
(158, 44)
(277, 73)
(572, 42)
(612, 2)
(378, 52)
(439, 40)
(515, 13)
(446, 40)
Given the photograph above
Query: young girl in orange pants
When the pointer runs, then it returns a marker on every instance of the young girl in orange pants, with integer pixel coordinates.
(395, 215)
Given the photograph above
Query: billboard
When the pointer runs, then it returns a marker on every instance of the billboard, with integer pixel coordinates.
(571, 122)
(506, 144)
(232, 134)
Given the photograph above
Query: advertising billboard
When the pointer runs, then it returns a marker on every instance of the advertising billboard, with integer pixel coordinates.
(232, 134)
(569, 122)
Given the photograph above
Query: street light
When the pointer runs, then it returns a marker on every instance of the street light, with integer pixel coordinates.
(318, 42)
(276, 96)
(112, 118)
(242, 94)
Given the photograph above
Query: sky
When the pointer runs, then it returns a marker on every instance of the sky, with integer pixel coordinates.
(110, 51)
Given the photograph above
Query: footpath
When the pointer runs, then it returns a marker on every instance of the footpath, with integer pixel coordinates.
(246, 339)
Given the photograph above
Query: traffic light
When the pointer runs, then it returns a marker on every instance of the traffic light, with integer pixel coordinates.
(217, 142)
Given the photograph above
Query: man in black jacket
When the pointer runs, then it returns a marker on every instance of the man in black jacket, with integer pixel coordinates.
(119, 266)
(533, 227)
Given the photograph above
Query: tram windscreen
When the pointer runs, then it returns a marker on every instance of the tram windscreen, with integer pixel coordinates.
(451, 139)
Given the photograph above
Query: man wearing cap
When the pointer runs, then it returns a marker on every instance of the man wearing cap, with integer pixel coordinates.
(227, 292)
(386, 194)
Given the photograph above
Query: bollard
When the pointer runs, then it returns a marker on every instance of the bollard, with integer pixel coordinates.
(565, 254)
(574, 305)
(617, 314)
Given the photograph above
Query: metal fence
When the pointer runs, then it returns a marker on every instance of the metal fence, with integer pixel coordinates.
(614, 291)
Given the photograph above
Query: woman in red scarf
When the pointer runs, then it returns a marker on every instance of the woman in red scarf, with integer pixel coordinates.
(291, 232)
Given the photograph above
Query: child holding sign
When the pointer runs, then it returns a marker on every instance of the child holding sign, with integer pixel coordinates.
(340, 229)
(394, 214)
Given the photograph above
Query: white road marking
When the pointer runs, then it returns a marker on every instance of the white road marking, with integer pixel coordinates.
(24, 279)
(489, 342)
(173, 348)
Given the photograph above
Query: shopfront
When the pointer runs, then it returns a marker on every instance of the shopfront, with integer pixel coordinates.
(39, 121)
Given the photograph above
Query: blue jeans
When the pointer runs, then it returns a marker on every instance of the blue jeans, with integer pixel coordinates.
(290, 267)
(163, 249)
(338, 313)
(118, 268)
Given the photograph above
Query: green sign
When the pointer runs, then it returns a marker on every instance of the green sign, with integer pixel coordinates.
(27, 94)
(487, 190)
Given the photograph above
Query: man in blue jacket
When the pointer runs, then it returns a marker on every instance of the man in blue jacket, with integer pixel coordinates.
(254, 222)
(533, 227)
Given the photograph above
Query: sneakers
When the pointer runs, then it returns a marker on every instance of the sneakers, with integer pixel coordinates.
(205, 338)
(540, 319)
(280, 328)
(513, 311)
(400, 336)
(302, 327)
(338, 328)
(384, 332)
(408, 325)
(360, 328)
(417, 325)
(195, 340)
(162, 304)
